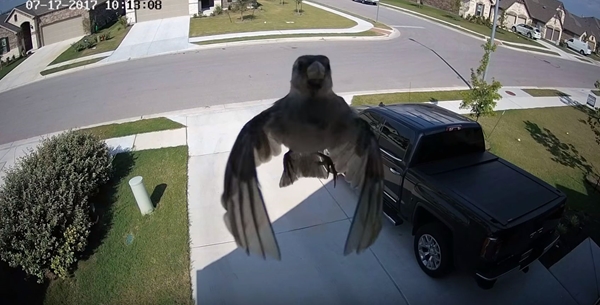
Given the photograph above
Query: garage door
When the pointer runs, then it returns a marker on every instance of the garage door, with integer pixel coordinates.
(551, 34)
(62, 30)
(510, 20)
(170, 8)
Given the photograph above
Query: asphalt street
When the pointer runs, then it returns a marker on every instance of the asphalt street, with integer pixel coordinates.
(246, 73)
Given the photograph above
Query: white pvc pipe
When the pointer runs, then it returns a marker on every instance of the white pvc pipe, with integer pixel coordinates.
(141, 195)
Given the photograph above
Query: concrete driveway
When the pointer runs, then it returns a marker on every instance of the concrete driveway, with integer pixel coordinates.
(311, 219)
(29, 70)
(154, 37)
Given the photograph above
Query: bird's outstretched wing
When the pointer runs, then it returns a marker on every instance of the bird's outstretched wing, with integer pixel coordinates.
(246, 217)
(360, 161)
(297, 165)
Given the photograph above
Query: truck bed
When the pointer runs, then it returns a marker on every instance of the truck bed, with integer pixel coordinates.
(501, 190)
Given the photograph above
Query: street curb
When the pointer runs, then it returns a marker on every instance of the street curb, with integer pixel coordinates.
(455, 29)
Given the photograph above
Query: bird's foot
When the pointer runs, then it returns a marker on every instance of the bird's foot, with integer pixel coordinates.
(328, 163)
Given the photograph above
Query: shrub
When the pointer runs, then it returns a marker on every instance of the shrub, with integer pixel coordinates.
(218, 10)
(123, 21)
(45, 203)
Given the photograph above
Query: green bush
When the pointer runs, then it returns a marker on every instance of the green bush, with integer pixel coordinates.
(218, 10)
(123, 21)
(45, 203)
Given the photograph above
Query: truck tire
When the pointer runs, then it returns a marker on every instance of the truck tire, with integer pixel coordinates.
(433, 249)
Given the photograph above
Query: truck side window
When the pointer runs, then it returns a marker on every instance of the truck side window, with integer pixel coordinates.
(373, 119)
(394, 139)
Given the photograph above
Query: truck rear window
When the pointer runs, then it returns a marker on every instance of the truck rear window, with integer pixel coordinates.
(449, 144)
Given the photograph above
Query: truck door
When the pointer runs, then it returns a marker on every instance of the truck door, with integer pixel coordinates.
(393, 142)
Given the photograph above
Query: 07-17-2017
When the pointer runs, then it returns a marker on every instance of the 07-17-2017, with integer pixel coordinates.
(59, 4)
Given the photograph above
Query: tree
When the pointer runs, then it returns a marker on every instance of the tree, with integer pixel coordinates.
(501, 19)
(242, 5)
(482, 97)
(298, 3)
(456, 4)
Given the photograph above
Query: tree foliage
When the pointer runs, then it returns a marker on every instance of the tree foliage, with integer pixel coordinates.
(45, 203)
(481, 99)
(298, 6)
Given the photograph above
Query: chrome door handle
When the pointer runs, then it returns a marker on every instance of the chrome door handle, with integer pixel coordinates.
(390, 155)
(394, 171)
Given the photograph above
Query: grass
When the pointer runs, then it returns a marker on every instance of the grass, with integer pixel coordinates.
(270, 16)
(532, 49)
(117, 33)
(544, 92)
(557, 145)
(131, 128)
(71, 66)
(595, 56)
(151, 268)
(7, 68)
(596, 92)
(366, 33)
(456, 20)
(405, 97)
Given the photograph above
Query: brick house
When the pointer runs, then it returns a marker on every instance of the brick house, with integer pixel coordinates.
(23, 29)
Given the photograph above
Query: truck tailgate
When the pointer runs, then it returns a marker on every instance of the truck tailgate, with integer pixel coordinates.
(501, 190)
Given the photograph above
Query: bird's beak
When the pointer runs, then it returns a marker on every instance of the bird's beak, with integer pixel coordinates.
(316, 71)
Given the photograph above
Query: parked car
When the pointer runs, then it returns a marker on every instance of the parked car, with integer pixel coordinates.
(375, 2)
(580, 46)
(469, 209)
(527, 30)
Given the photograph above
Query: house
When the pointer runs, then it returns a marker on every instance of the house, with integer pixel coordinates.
(548, 16)
(168, 8)
(582, 28)
(24, 29)
(478, 8)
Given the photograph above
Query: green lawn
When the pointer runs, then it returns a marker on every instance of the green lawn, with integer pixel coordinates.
(131, 128)
(7, 68)
(532, 49)
(71, 66)
(141, 259)
(117, 33)
(270, 16)
(595, 56)
(596, 92)
(544, 92)
(558, 146)
(405, 97)
(452, 18)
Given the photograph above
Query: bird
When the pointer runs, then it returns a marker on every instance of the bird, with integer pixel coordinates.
(323, 135)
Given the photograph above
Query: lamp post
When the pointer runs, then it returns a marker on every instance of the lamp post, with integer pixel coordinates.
(495, 24)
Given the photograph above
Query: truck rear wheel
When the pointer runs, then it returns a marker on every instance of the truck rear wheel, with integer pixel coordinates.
(432, 249)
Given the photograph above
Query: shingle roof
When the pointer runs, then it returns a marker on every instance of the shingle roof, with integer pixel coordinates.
(8, 26)
(542, 10)
(574, 23)
(592, 26)
(506, 4)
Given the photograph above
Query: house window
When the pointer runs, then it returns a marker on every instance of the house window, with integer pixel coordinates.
(15, 18)
(479, 9)
(4, 47)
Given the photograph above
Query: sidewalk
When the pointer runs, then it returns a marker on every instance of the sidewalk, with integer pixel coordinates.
(210, 133)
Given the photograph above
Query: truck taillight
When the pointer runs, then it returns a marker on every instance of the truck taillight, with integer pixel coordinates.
(490, 248)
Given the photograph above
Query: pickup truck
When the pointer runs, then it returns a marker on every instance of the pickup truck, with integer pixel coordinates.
(470, 210)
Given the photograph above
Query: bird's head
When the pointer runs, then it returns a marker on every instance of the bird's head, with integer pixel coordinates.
(312, 74)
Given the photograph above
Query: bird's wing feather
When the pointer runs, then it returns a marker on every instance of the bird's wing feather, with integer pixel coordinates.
(297, 165)
(360, 161)
(246, 217)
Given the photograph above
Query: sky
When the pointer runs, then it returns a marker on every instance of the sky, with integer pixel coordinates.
(584, 8)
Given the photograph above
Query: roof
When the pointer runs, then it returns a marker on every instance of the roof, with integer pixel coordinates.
(542, 10)
(580, 25)
(507, 3)
(426, 117)
(8, 26)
